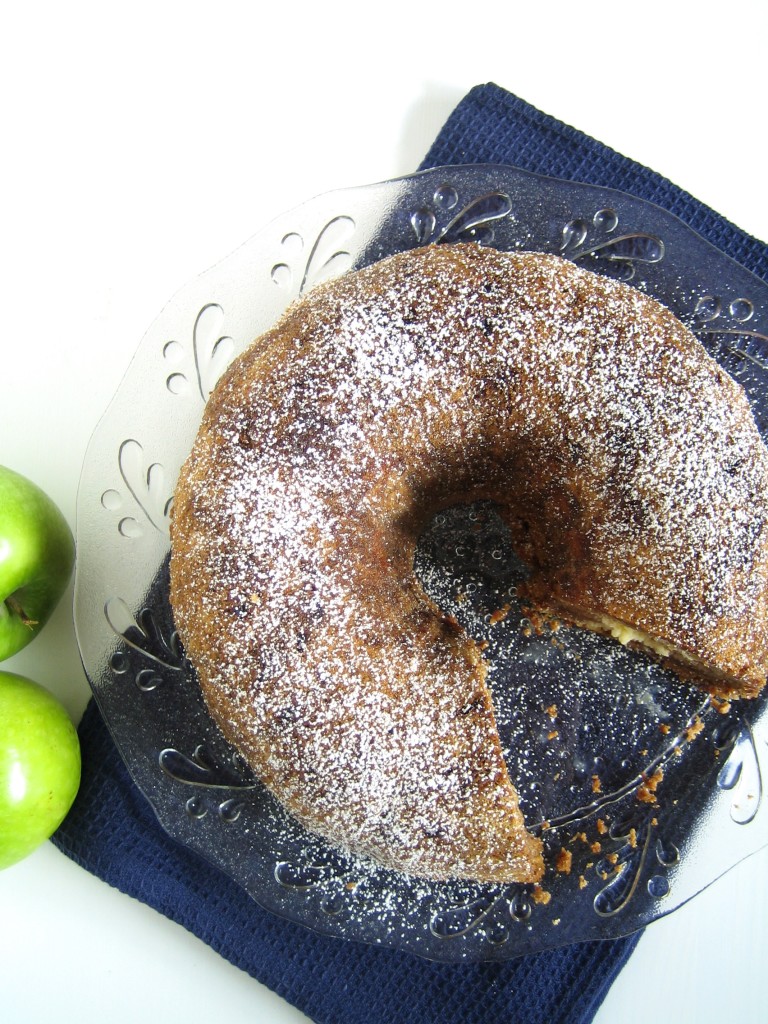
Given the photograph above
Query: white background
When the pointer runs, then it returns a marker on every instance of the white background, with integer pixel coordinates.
(143, 142)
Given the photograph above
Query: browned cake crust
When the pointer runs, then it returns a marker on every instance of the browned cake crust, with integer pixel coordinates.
(626, 460)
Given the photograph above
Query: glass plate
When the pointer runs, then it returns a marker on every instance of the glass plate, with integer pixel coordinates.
(642, 791)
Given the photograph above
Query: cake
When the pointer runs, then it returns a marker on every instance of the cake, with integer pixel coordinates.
(625, 460)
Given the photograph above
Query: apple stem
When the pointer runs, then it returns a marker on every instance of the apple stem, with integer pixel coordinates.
(15, 608)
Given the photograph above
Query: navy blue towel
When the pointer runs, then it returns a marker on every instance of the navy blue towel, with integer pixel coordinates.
(112, 831)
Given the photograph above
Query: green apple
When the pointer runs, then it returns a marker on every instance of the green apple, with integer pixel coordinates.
(36, 557)
(39, 766)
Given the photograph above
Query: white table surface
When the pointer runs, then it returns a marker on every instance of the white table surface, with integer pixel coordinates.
(143, 142)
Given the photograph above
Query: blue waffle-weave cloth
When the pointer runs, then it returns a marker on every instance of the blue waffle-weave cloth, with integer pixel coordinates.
(112, 830)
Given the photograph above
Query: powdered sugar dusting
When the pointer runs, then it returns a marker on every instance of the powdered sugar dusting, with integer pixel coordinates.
(577, 403)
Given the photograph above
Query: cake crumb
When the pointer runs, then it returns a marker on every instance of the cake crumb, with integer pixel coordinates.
(541, 895)
(720, 704)
(500, 614)
(564, 861)
(646, 792)
(694, 729)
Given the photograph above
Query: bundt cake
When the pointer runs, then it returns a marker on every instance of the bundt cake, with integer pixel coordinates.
(626, 461)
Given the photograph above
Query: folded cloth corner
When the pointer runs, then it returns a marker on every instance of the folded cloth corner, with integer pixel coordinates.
(113, 833)
(491, 125)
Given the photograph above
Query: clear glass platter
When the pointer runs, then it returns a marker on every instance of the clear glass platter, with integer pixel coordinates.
(643, 792)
